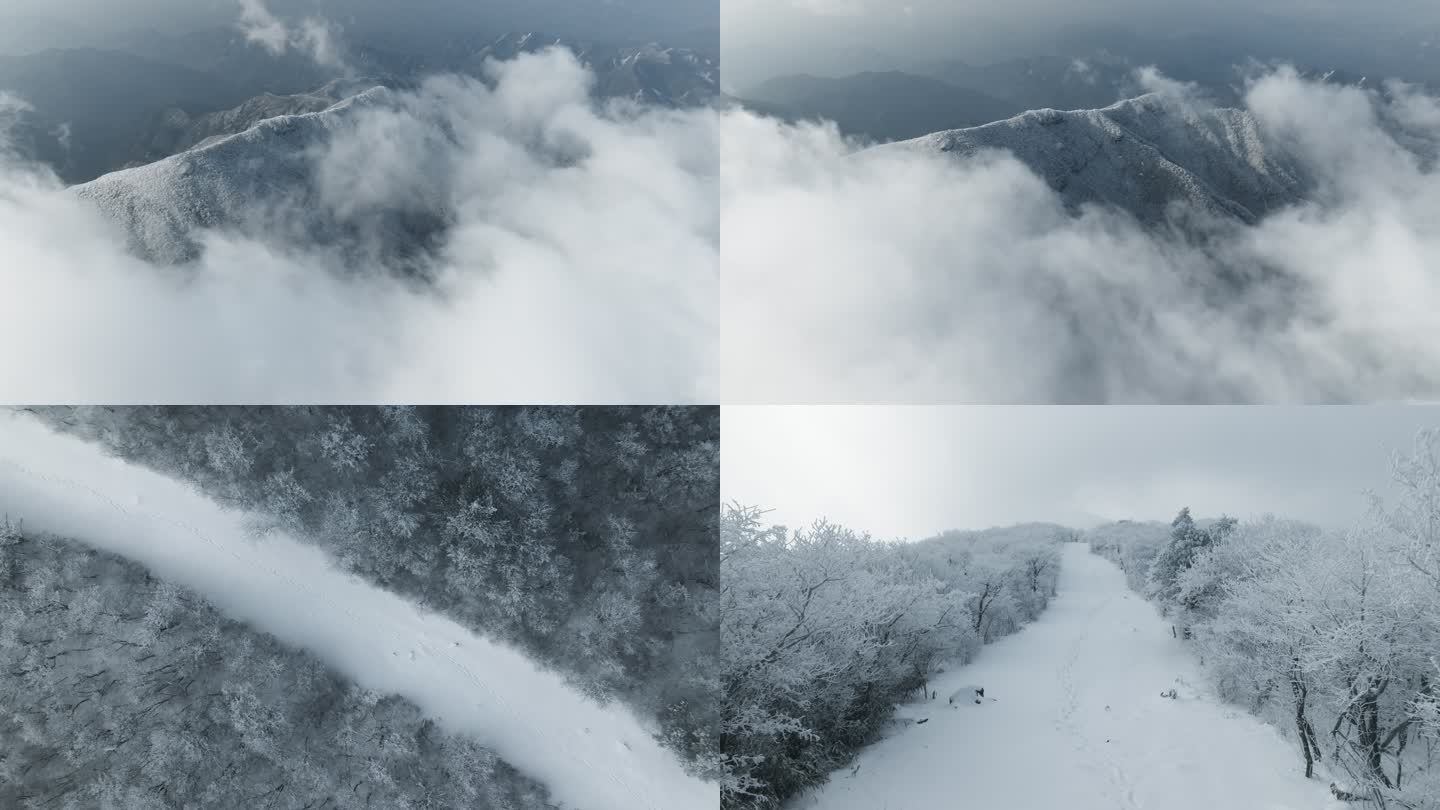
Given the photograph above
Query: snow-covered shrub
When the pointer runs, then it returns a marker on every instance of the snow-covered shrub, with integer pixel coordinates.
(1328, 634)
(1131, 545)
(824, 630)
(105, 710)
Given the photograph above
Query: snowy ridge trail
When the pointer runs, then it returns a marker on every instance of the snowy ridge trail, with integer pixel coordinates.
(1073, 718)
(591, 757)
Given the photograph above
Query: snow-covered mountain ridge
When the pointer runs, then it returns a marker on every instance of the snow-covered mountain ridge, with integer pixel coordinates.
(260, 180)
(1141, 155)
(255, 168)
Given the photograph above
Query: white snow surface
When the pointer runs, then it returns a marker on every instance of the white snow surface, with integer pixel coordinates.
(1073, 718)
(592, 757)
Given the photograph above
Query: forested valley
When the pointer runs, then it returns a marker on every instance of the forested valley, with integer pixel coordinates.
(825, 629)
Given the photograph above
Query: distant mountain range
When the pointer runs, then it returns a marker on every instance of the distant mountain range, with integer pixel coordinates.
(97, 111)
(649, 72)
(1086, 67)
(1063, 83)
(91, 106)
(883, 106)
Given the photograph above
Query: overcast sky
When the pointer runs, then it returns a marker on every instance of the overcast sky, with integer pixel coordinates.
(765, 38)
(37, 24)
(913, 471)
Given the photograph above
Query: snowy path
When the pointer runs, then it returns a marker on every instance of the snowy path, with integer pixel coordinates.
(591, 757)
(1074, 719)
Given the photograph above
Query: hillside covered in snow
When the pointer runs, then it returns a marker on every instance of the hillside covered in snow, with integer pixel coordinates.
(301, 171)
(1142, 155)
(263, 181)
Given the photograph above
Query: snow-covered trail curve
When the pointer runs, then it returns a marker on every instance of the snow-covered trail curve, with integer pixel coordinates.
(592, 757)
(1073, 718)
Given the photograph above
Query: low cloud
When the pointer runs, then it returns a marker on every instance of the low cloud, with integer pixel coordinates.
(1150, 80)
(12, 110)
(580, 265)
(1082, 70)
(312, 36)
(896, 275)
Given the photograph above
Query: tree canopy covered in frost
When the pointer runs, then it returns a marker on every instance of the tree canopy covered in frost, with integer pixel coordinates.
(118, 690)
(586, 536)
(1333, 636)
(824, 630)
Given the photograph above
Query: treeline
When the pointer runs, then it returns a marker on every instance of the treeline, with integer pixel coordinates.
(824, 630)
(586, 536)
(1332, 636)
(120, 690)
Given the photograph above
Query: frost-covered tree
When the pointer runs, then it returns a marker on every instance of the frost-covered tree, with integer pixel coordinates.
(1331, 635)
(586, 536)
(1187, 540)
(121, 690)
(826, 629)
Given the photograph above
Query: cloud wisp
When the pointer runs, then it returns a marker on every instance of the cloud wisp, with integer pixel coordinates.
(315, 37)
(579, 265)
(902, 275)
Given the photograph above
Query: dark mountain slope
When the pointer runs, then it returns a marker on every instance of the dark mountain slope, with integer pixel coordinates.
(1141, 155)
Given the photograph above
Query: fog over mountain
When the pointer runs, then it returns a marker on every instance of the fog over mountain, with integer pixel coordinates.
(142, 95)
(1165, 249)
(254, 167)
(367, 206)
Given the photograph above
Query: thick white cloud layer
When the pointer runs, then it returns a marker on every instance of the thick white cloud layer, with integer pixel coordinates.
(906, 276)
(582, 267)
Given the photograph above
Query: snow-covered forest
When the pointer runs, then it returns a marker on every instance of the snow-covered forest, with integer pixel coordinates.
(586, 536)
(299, 608)
(121, 690)
(825, 629)
(1332, 636)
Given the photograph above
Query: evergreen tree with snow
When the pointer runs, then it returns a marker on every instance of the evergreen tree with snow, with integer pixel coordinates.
(1187, 541)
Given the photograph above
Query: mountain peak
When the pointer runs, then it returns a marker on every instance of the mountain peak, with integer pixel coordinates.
(261, 181)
